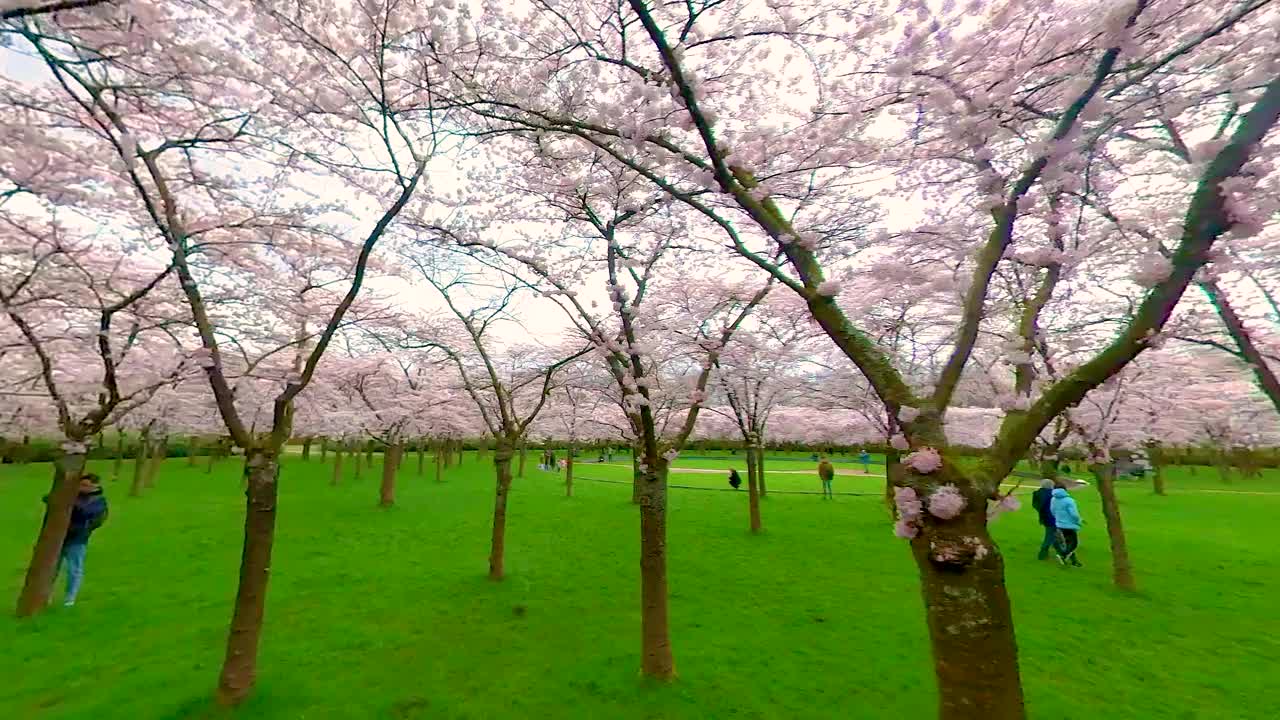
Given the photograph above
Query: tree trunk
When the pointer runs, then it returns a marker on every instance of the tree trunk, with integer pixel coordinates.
(1249, 352)
(390, 464)
(26, 450)
(421, 446)
(1157, 477)
(764, 489)
(191, 450)
(461, 453)
(239, 668)
(568, 472)
(118, 461)
(522, 454)
(439, 461)
(446, 449)
(636, 479)
(368, 455)
(213, 457)
(975, 653)
(498, 543)
(324, 449)
(337, 465)
(753, 489)
(1121, 568)
(357, 458)
(158, 453)
(43, 570)
(656, 659)
(139, 466)
(306, 449)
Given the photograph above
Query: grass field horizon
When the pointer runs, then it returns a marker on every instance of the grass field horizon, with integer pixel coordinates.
(387, 613)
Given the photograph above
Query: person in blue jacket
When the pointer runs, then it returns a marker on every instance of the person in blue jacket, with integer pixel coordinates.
(1066, 517)
(88, 514)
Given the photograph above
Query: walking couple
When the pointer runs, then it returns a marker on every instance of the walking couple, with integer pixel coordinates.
(1061, 520)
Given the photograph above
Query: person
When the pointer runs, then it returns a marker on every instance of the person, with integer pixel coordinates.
(826, 472)
(1041, 500)
(551, 461)
(87, 514)
(864, 457)
(735, 480)
(1066, 517)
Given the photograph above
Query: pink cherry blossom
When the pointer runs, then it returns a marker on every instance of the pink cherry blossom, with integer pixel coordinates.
(924, 461)
(946, 502)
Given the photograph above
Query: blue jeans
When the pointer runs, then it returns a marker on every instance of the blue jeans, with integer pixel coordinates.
(1050, 540)
(73, 557)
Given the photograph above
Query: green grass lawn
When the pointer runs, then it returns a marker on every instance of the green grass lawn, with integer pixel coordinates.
(387, 613)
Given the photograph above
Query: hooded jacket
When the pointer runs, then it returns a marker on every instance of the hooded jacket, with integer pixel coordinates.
(1065, 514)
(1040, 500)
(87, 515)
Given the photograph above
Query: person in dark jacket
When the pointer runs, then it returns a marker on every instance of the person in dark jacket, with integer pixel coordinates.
(1040, 500)
(88, 514)
(735, 480)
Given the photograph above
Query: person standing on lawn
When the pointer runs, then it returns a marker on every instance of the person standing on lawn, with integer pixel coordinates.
(1041, 500)
(1066, 517)
(826, 473)
(88, 514)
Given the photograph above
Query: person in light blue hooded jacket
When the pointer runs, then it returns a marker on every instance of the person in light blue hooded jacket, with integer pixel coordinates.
(1066, 517)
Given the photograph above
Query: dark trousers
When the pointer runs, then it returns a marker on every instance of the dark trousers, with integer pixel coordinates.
(1069, 541)
(1050, 541)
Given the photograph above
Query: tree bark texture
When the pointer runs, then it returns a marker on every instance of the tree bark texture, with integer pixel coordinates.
(139, 467)
(568, 472)
(337, 465)
(636, 480)
(37, 586)
(357, 460)
(324, 449)
(1249, 351)
(158, 452)
(753, 490)
(390, 464)
(764, 488)
(523, 450)
(240, 666)
(498, 542)
(656, 658)
(117, 462)
(306, 449)
(1121, 567)
(421, 446)
(975, 653)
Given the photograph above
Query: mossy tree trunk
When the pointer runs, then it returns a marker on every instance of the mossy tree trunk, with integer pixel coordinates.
(390, 464)
(970, 619)
(498, 540)
(37, 585)
(240, 664)
(1121, 567)
(117, 461)
(753, 489)
(657, 661)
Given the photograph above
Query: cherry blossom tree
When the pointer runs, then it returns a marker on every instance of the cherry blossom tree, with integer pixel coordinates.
(1007, 148)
